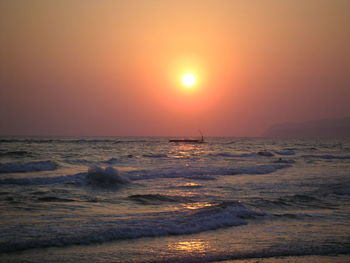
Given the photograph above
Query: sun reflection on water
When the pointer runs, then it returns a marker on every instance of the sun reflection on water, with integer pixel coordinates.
(190, 246)
(186, 150)
(197, 205)
(191, 184)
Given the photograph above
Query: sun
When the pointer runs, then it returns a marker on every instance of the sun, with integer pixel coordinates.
(188, 80)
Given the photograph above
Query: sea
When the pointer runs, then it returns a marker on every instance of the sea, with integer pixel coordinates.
(144, 199)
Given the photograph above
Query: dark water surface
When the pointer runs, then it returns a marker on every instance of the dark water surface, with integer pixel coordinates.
(148, 200)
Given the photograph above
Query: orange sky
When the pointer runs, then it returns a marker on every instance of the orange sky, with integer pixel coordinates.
(114, 67)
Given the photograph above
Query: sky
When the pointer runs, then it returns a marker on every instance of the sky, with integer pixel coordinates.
(114, 68)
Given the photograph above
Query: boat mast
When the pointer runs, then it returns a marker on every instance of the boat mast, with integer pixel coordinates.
(202, 135)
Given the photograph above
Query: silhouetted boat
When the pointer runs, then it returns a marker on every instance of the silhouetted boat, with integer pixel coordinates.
(189, 140)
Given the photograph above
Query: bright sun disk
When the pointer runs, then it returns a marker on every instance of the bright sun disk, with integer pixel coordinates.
(188, 79)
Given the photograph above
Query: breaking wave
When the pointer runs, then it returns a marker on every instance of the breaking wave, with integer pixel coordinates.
(111, 228)
(110, 176)
(104, 177)
(19, 167)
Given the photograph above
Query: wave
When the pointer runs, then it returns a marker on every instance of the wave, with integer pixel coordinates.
(155, 155)
(328, 156)
(104, 177)
(337, 189)
(204, 172)
(111, 161)
(189, 185)
(82, 162)
(44, 180)
(152, 199)
(179, 222)
(297, 251)
(92, 163)
(15, 154)
(228, 154)
(109, 176)
(265, 153)
(297, 200)
(285, 152)
(96, 176)
(280, 160)
(19, 167)
(54, 199)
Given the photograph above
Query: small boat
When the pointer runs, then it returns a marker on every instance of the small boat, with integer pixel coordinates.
(189, 140)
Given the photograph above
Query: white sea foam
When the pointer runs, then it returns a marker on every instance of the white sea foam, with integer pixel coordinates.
(103, 177)
(23, 167)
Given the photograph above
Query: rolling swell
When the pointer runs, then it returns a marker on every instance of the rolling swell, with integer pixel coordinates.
(78, 232)
(151, 199)
(328, 157)
(44, 180)
(155, 155)
(297, 201)
(21, 167)
(285, 152)
(103, 177)
(253, 154)
(15, 154)
(197, 172)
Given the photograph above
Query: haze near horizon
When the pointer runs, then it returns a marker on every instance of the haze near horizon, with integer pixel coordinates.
(229, 68)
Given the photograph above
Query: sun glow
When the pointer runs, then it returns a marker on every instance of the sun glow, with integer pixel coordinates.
(188, 80)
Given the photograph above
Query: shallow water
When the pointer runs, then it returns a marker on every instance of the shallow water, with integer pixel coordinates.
(226, 199)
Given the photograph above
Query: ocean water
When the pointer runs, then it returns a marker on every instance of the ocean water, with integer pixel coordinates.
(143, 199)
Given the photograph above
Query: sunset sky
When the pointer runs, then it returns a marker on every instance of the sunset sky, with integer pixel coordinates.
(116, 67)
